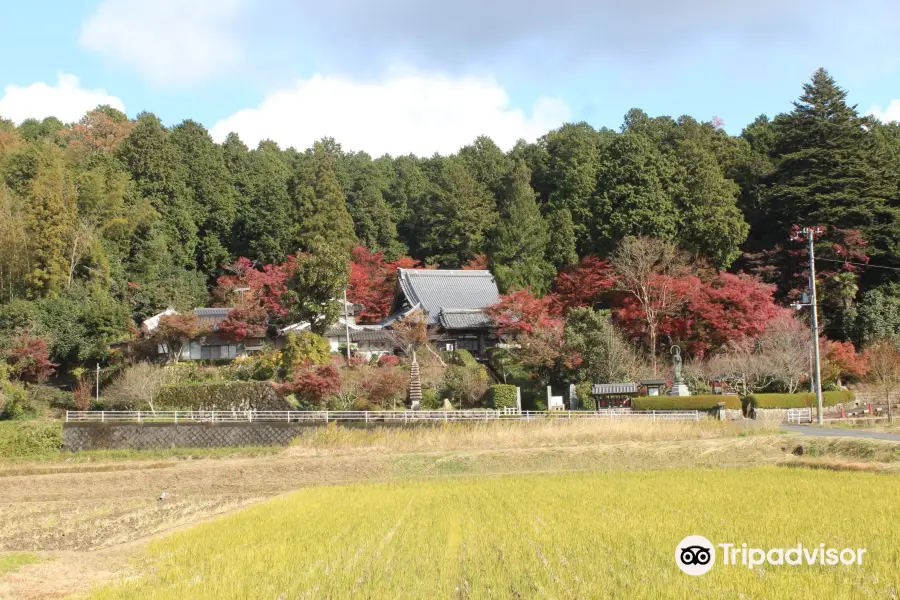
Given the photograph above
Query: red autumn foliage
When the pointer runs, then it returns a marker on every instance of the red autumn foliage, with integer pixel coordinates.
(244, 322)
(843, 361)
(246, 285)
(372, 282)
(385, 385)
(312, 386)
(98, 132)
(479, 262)
(788, 265)
(29, 359)
(584, 284)
(388, 360)
(521, 311)
(706, 315)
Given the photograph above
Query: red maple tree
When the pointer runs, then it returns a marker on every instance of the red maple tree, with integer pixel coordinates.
(707, 313)
(479, 262)
(584, 284)
(29, 359)
(521, 311)
(244, 322)
(312, 385)
(373, 281)
(245, 285)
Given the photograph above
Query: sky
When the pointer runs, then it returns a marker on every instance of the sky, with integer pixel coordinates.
(426, 76)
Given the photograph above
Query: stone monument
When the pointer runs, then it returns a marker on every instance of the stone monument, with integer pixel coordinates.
(678, 387)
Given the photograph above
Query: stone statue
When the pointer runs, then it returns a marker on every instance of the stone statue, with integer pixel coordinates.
(676, 361)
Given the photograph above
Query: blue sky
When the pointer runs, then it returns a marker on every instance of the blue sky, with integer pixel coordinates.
(423, 76)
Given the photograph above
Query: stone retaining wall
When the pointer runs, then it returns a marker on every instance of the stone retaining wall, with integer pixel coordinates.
(145, 436)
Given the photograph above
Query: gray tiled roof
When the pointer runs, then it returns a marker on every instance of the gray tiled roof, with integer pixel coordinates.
(436, 288)
(599, 389)
(370, 335)
(467, 318)
(211, 317)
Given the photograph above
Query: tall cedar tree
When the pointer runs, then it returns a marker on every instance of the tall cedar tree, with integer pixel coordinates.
(520, 247)
(828, 172)
(322, 209)
(561, 252)
(159, 171)
(455, 222)
(265, 227)
(711, 225)
(573, 161)
(214, 197)
(630, 198)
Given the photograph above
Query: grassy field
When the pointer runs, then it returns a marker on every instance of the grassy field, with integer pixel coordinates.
(88, 516)
(609, 535)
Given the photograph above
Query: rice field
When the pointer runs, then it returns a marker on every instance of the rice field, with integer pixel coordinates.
(600, 535)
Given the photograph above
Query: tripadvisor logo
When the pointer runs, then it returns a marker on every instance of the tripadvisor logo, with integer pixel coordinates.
(696, 555)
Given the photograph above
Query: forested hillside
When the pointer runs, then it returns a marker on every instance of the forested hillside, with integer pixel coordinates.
(109, 220)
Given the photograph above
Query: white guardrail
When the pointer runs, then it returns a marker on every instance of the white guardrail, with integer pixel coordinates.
(399, 416)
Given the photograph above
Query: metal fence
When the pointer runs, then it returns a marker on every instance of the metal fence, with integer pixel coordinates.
(799, 415)
(404, 416)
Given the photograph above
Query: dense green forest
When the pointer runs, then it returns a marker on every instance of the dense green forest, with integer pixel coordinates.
(109, 220)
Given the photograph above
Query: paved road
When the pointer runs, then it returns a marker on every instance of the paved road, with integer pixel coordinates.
(840, 432)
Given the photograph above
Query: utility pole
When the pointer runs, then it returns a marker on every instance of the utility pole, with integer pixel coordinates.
(811, 233)
(347, 325)
(98, 383)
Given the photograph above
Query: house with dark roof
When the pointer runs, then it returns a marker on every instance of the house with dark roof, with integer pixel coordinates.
(453, 302)
(212, 346)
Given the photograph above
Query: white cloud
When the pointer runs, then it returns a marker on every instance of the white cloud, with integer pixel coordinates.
(891, 113)
(67, 101)
(169, 41)
(418, 113)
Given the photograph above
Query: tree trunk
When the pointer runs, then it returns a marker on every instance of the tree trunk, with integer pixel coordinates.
(652, 331)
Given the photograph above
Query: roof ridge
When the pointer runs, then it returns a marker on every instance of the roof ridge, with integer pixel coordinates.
(455, 272)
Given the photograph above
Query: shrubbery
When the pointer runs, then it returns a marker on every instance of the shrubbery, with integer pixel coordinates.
(23, 439)
(706, 402)
(240, 395)
(804, 400)
(503, 396)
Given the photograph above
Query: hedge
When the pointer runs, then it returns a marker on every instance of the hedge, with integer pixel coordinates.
(228, 395)
(804, 400)
(465, 358)
(705, 402)
(502, 395)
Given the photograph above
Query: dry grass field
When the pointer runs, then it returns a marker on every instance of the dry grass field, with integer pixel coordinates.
(86, 518)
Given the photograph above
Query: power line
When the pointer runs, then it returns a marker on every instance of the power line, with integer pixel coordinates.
(847, 262)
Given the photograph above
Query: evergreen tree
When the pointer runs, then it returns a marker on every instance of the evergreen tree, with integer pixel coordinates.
(454, 223)
(265, 226)
(573, 161)
(159, 171)
(322, 209)
(372, 217)
(209, 181)
(630, 199)
(711, 225)
(488, 165)
(561, 251)
(828, 172)
(520, 246)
